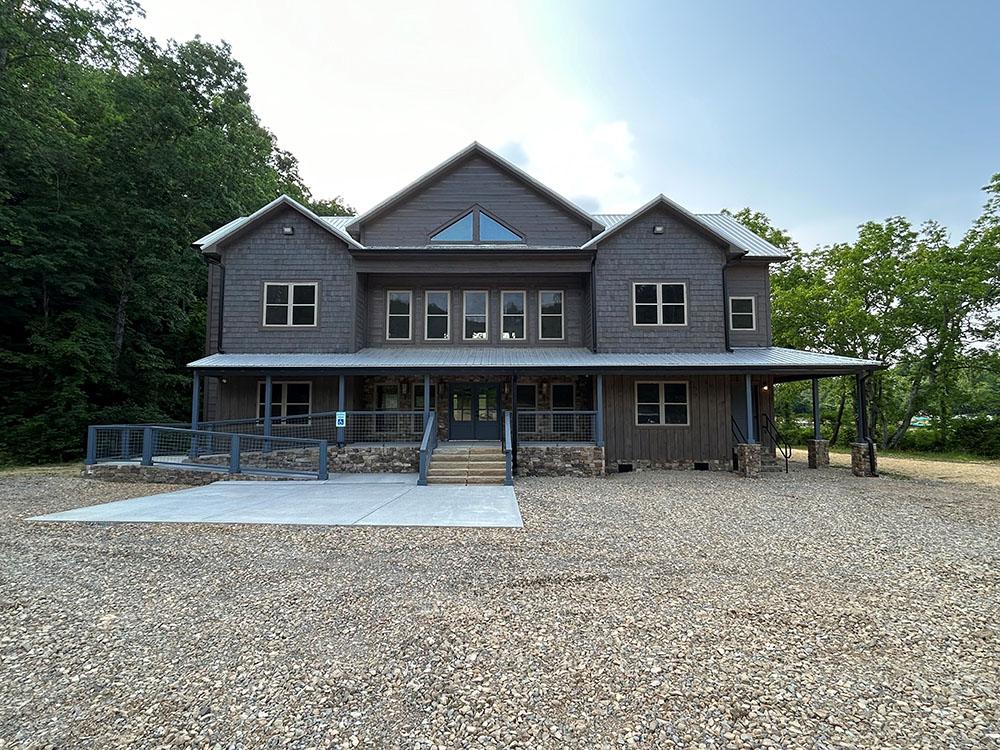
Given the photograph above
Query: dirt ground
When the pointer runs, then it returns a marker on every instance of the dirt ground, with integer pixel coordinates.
(983, 473)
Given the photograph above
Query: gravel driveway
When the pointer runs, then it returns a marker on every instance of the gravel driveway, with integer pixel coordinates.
(657, 609)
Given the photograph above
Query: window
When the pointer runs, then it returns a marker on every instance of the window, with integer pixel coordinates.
(527, 399)
(474, 314)
(288, 399)
(512, 315)
(663, 403)
(475, 227)
(563, 399)
(290, 304)
(437, 316)
(550, 315)
(418, 396)
(742, 314)
(387, 397)
(397, 316)
(659, 304)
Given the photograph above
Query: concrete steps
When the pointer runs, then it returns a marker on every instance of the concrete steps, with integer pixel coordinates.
(477, 464)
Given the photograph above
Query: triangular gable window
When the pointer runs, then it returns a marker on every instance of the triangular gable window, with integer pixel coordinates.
(476, 227)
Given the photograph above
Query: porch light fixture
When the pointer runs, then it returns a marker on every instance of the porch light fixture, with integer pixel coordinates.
(658, 229)
(763, 387)
(288, 230)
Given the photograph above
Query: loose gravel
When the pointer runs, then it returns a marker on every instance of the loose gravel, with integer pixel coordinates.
(658, 609)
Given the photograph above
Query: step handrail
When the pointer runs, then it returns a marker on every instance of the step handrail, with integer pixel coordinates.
(427, 445)
(508, 456)
(779, 441)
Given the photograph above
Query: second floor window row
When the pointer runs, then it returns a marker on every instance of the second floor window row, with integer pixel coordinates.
(475, 315)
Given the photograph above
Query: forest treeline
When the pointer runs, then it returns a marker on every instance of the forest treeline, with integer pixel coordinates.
(117, 151)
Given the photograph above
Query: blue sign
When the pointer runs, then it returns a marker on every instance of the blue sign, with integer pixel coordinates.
(341, 419)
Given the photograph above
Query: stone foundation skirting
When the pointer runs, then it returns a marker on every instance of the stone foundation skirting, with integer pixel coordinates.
(560, 461)
(680, 464)
(393, 459)
(135, 474)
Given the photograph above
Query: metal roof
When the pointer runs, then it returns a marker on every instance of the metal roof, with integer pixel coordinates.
(741, 237)
(771, 358)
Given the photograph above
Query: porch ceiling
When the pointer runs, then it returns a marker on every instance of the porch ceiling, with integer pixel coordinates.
(789, 362)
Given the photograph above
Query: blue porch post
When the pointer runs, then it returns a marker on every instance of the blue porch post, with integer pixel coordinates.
(749, 397)
(195, 395)
(817, 435)
(427, 400)
(599, 417)
(268, 389)
(341, 398)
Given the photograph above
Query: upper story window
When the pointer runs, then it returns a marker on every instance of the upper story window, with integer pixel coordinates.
(550, 315)
(437, 316)
(512, 316)
(659, 304)
(398, 317)
(290, 304)
(474, 313)
(476, 227)
(742, 314)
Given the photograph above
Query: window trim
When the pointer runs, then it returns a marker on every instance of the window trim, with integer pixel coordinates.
(753, 313)
(428, 316)
(552, 385)
(284, 401)
(534, 387)
(409, 315)
(562, 314)
(289, 306)
(523, 315)
(465, 304)
(659, 304)
(662, 403)
(475, 209)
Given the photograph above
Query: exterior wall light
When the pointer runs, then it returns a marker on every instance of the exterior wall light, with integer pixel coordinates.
(288, 230)
(658, 229)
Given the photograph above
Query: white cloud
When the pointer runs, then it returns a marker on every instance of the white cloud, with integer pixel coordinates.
(369, 95)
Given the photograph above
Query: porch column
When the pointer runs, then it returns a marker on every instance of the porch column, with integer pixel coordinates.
(427, 399)
(513, 419)
(749, 396)
(817, 435)
(268, 389)
(341, 398)
(863, 460)
(195, 394)
(599, 416)
(818, 449)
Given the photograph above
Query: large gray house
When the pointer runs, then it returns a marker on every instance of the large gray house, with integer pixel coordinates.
(480, 296)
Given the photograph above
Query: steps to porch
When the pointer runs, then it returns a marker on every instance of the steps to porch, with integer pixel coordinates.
(465, 464)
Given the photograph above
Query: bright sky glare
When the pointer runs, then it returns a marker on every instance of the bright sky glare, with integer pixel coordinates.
(822, 115)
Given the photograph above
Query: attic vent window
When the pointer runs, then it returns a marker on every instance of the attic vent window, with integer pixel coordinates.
(658, 229)
(476, 227)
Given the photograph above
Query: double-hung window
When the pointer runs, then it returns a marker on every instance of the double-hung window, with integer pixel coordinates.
(661, 403)
(742, 314)
(288, 399)
(437, 316)
(513, 314)
(659, 303)
(550, 315)
(398, 315)
(475, 307)
(290, 304)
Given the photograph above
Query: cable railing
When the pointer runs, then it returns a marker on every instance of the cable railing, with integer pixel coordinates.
(234, 453)
(556, 426)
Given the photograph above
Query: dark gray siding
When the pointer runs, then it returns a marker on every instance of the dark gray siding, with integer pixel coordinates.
(707, 438)
(573, 317)
(310, 255)
(536, 218)
(680, 254)
(752, 280)
(238, 395)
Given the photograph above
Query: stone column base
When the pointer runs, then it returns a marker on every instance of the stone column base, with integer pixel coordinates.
(748, 458)
(819, 453)
(860, 467)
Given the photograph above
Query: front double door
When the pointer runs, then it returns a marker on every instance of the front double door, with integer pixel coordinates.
(474, 411)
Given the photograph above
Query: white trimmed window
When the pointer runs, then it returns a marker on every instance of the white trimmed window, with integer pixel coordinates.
(513, 315)
(437, 316)
(475, 318)
(398, 317)
(658, 303)
(743, 313)
(290, 304)
(288, 398)
(550, 315)
(662, 403)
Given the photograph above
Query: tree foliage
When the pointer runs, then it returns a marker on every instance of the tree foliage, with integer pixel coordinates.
(114, 154)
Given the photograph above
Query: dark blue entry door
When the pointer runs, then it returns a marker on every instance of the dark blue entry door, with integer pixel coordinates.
(473, 411)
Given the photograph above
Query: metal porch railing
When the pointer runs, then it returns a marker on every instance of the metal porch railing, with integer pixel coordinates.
(428, 443)
(556, 426)
(360, 427)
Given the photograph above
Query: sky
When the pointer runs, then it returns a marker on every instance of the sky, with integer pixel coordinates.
(822, 115)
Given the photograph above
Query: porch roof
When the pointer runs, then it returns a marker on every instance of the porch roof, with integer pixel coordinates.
(771, 359)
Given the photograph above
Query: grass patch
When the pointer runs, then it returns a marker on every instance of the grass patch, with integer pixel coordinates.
(70, 469)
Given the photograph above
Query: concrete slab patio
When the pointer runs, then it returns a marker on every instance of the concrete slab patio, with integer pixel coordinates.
(344, 500)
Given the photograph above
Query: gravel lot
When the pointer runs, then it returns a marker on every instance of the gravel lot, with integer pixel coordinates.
(656, 609)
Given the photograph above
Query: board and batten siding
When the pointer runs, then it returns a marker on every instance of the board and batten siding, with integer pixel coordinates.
(751, 280)
(680, 254)
(573, 287)
(707, 438)
(238, 395)
(265, 254)
(476, 181)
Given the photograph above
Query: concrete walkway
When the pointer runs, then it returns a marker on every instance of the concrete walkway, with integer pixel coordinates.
(345, 500)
